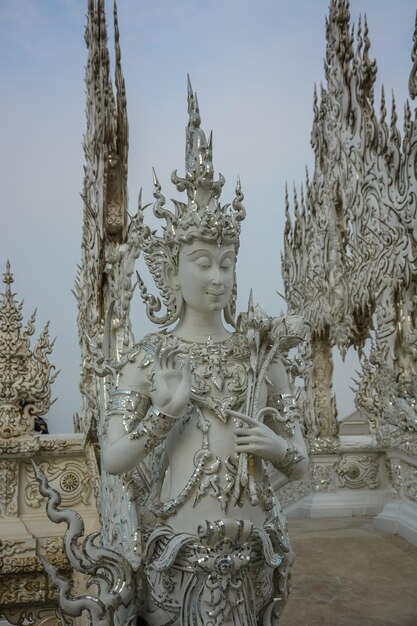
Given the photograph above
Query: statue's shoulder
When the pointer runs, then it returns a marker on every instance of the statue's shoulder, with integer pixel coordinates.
(142, 352)
(135, 365)
(144, 349)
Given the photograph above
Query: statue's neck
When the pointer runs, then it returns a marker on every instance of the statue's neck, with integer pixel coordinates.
(198, 326)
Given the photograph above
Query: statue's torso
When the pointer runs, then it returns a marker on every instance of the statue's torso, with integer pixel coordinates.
(220, 378)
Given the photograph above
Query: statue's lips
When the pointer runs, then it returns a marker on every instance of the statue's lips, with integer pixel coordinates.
(215, 293)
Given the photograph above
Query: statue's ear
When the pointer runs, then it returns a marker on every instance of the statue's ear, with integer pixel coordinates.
(171, 276)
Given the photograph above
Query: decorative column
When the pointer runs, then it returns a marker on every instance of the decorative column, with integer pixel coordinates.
(323, 401)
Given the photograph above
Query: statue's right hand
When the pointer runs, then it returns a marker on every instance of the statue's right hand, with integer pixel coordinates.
(172, 386)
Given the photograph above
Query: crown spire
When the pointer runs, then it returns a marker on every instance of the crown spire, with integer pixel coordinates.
(199, 171)
(8, 277)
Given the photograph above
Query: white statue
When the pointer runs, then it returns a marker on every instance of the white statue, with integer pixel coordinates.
(201, 416)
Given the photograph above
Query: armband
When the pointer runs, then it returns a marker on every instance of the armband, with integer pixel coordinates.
(140, 419)
(155, 426)
(286, 404)
(131, 405)
(291, 458)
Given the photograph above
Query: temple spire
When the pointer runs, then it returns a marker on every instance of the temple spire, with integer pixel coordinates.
(8, 276)
(412, 82)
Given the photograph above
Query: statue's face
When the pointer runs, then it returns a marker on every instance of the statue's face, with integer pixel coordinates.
(206, 275)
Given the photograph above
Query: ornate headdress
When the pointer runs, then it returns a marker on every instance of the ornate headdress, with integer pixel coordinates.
(202, 217)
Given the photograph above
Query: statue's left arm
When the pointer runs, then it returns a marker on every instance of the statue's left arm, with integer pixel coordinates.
(279, 439)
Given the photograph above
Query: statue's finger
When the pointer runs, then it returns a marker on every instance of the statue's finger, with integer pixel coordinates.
(269, 410)
(243, 417)
(246, 439)
(246, 447)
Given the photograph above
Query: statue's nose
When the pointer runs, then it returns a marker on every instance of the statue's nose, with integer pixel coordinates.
(215, 275)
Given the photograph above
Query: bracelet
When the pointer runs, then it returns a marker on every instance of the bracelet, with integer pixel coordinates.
(291, 458)
(287, 406)
(155, 425)
(140, 432)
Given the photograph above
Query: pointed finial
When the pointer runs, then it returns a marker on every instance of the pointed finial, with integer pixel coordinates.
(407, 114)
(155, 179)
(359, 33)
(383, 107)
(8, 276)
(288, 225)
(193, 109)
(366, 35)
(394, 115)
(412, 81)
(196, 107)
(303, 206)
(250, 302)
(315, 105)
(237, 202)
(296, 207)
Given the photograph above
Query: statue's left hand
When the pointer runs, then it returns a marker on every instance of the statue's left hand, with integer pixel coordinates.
(172, 386)
(256, 438)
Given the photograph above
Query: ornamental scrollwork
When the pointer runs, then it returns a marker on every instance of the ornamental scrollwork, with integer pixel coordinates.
(359, 471)
(294, 491)
(35, 588)
(70, 478)
(51, 545)
(403, 476)
(324, 445)
(23, 565)
(10, 548)
(389, 436)
(37, 616)
(323, 476)
(395, 475)
(19, 446)
(61, 445)
(8, 488)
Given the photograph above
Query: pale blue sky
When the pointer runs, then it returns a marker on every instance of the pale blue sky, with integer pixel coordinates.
(253, 64)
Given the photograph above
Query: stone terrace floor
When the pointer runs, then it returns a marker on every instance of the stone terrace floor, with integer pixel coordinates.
(348, 574)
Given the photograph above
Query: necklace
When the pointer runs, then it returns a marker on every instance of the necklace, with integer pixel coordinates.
(218, 371)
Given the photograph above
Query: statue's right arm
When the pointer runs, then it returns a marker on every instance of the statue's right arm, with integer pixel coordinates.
(141, 414)
(128, 405)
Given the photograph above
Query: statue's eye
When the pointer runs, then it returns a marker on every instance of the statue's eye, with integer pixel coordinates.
(203, 262)
(226, 264)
